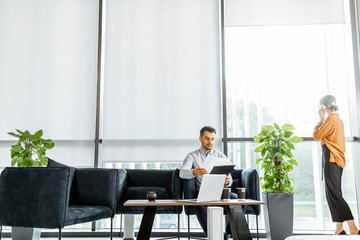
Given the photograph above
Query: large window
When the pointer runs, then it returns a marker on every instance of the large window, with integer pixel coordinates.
(48, 75)
(160, 83)
(278, 73)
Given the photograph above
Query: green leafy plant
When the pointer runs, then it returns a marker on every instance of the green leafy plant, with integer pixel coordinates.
(276, 158)
(30, 149)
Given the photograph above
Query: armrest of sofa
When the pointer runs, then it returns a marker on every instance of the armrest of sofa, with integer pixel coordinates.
(189, 188)
(176, 185)
(34, 197)
(94, 186)
(250, 180)
(120, 184)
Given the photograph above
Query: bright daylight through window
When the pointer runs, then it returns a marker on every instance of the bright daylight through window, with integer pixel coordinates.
(278, 73)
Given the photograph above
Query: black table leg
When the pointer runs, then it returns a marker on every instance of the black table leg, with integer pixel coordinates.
(147, 223)
(238, 225)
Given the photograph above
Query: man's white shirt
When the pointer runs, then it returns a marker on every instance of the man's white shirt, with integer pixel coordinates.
(199, 158)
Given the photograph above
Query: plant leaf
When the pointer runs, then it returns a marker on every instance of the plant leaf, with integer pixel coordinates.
(38, 134)
(21, 132)
(290, 145)
(16, 148)
(260, 148)
(267, 128)
(14, 161)
(263, 152)
(293, 162)
(257, 139)
(49, 144)
(26, 135)
(287, 127)
(277, 127)
(14, 134)
(288, 134)
(258, 160)
(296, 139)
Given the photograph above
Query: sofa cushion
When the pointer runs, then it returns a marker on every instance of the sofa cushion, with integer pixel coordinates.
(82, 213)
(149, 178)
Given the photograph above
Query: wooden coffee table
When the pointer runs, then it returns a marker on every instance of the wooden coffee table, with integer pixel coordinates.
(238, 224)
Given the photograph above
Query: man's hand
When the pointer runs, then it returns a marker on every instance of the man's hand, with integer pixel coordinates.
(227, 180)
(199, 171)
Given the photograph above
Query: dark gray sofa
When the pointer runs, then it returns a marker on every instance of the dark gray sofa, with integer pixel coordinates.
(166, 183)
(55, 197)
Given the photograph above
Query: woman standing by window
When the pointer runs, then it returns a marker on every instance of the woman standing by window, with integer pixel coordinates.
(330, 130)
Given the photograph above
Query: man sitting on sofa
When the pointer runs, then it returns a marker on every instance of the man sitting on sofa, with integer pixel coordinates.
(195, 164)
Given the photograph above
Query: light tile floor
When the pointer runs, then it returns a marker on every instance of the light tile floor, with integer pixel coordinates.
(91, 238)
(96, 238)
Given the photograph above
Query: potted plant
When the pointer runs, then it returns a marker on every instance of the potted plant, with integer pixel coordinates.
(276, 162)
(30, 149)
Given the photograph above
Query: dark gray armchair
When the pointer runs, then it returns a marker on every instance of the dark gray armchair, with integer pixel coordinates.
(247, 178)
(55, 197)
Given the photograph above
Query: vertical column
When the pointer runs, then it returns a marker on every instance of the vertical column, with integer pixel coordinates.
(100, 80)
(317, 171)
(25, 233)
(215, 223)
(354, 93)
(129, 225)
(99, 89)
(223, 80)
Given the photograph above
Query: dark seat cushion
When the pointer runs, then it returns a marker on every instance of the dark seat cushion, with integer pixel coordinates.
(140, 181)
(80, 214)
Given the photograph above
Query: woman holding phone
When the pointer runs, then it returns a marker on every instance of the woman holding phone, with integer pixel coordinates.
(330, 130)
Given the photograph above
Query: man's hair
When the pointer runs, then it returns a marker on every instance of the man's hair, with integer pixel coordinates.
(207, 128)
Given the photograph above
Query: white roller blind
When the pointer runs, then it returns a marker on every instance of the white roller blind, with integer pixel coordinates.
(280, 12)
(48, 74)
(162, 78)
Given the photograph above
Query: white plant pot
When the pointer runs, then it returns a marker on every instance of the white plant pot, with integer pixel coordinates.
(25, 233)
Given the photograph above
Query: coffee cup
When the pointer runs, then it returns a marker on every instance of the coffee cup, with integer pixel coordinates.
(226, 193)
(241, 193)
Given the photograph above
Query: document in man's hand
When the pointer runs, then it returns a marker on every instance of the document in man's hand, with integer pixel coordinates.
(223, 169)
(212, 161)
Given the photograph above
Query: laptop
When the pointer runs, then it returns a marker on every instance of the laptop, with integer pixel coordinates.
(210, 189)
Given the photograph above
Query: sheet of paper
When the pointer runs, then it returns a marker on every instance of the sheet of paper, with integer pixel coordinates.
(211, 161)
